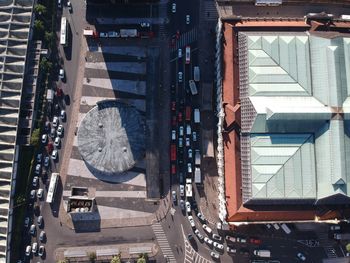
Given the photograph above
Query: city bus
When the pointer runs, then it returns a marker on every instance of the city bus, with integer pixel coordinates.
(188, 54)
(64, 32)
(52, 187)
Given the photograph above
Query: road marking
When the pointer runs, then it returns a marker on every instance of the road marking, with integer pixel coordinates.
(163, 242)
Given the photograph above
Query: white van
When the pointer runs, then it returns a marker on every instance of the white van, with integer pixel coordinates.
(197, 116)
(188, 129)
(196, 73)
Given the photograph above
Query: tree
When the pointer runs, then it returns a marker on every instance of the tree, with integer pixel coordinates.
(39, 9)
(116, 259)
(49, 39)
(142, 258)
(39, 28)
(34, 139)
(92, 256)
(45, 65)
(348, 247)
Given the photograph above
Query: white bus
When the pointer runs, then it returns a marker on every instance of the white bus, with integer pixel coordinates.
(64, 32)
(188, 54)
(52, 187)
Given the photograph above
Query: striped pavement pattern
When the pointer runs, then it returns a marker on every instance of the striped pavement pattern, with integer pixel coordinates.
(326, 244)
(210, 11)
(163, 242)
(186, 39)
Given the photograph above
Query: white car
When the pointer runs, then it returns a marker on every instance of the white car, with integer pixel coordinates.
(188, 207)
(103, 35)
(28, 250)
(61, 74)
(32, 230)
(180, 76)
(46, 161)
(231, 250)
(57, 142)
(112, 34)
(42, 236)
(241, 240)
(194, 136)
(179, 53)
(39, 157)
(182, 205)
(189, 152)
(201, 217)
(40, 221)
(55, 121)
(63, 115)
(182, 190)
(208, 241)
(181, 131)
(276, 226)
(218, 226)
(173, 135)
(69, 5)
(44, 138)
(32, 194)
(145, 24)
(34, 247)
(37, 169)
(214, 255)
(189, 168)
(190, 218)
(60, 130)
(301, 256)
(35, 181)
(218, 245)
(187, 19)
(199, 235)
(231, 239)
(207, 229)
(40, 193)
(26, 221)
(54, 154)
(173, 8)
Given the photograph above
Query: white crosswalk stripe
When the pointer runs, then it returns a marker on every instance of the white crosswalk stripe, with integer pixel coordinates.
(210, 11)
(163, 242)
(326, 244)
(186, 39)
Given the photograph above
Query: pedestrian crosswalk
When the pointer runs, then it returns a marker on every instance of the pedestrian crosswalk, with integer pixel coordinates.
(163, 243)
(210, 11)
(186, 39)
(327, 245)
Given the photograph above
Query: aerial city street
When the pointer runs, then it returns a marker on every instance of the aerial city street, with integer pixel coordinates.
(173, 131)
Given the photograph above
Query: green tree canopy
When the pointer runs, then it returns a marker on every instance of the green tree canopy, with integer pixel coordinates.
(116, 259)
(39, 29)
(35, 138)
(348, 247)
(40, 9)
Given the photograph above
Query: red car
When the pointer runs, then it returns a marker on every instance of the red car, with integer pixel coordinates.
(173, 122)
(180, 116)
(255, 241)
(173, 106)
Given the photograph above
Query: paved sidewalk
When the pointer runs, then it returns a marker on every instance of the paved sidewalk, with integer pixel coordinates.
(127, 251)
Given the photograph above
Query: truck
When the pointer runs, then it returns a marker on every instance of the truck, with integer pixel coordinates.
(263, 253)
(188, 187)
(128, 33)
(345, 17)
(197, 158)
(197, 175)
(342, 236)
(49, 95)
(197, 116)
(193, 87)
(196, 73)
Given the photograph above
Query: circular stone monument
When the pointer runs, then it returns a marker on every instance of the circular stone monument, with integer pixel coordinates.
(111, 137)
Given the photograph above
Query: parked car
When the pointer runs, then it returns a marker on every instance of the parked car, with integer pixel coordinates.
(231, 239)
(34, 248)
(199, 235)
(190, 218)
(35, 181)
(201, 217)
(188, 142)
(46, 161)
(28, 250)
(208, 241)
(231, 250)
(103, 35)
(32, 230)
(189, 153)
(63, 115)
(189, 168)
(194, 136)
(26, 221)
(173, 8)
(173, 194)
(214, 255)
(276, 226)
(37, 169)
(40, 193)
(39, 157)
(44, 138)
(217, 237)
(55, 121)
(241, 240)
(218, 225)
(61, 74)
(54, 155)
(41, 251)
(69, 6)
(181, 131)
(180, 142)
(60, 130)
(40, 221)
(42, 236)
(188, 207)
(32, 194)
(218, 245)
(182, 190)
(182, 205)
(173, 135)
(187, 19)
(57, 142)
(207, 229)
(334, 227)
(52, 132)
